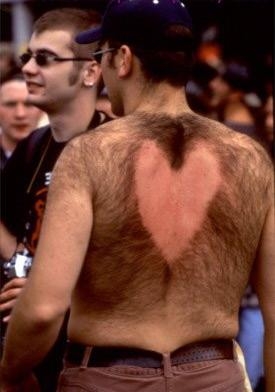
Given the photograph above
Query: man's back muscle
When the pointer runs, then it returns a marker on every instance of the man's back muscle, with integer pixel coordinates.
(170, 224)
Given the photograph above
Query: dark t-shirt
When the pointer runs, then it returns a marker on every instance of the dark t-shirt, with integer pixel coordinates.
(25, 181)
(3, 158)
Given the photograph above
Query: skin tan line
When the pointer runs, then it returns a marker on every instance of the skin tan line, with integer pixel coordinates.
(182, 199)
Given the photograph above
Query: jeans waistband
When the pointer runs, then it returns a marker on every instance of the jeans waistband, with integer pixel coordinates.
(113, 356)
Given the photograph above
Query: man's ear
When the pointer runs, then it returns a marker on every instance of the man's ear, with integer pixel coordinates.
(91, 73)
(124, 61)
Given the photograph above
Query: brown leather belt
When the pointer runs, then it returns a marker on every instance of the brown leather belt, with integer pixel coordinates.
(113, 356)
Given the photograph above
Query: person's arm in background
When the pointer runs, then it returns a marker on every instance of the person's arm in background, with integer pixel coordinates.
(263, 281)
(9, 291)
(8, 296)
(14, 180)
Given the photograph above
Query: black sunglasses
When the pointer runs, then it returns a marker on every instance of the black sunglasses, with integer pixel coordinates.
(45, 59)
(99, 53)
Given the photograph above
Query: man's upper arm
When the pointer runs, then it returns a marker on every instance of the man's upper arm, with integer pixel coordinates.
(264, 270)
(264, 274)
(264, 278)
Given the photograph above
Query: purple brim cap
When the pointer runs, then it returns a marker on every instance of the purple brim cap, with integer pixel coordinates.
(89, 36)
(138, 21)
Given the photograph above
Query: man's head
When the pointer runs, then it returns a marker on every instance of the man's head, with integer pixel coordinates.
(17, 116)
(157, 31)
(55, 67)
(234, 79)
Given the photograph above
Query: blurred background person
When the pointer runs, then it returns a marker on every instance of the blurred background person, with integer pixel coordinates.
(268, 126)
(18, 118)
(229, 91)
(198, 90)
(251, 338)
(8, 64)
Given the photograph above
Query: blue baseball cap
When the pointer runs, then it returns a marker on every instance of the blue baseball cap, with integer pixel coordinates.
(139, 22)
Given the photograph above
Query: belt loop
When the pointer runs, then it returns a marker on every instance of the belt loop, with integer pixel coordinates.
(167, 367)
(86, 357)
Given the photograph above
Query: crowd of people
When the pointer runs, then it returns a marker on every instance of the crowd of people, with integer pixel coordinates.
(152, 231)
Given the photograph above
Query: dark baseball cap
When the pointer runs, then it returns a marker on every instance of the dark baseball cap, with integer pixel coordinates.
(139, 22)
(237, 76)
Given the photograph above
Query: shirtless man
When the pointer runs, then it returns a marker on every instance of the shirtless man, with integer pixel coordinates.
(163, 214)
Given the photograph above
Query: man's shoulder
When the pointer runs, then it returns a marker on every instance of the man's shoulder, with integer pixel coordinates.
(251, 148)
(221, 133)
(104, 130)
(247, 156)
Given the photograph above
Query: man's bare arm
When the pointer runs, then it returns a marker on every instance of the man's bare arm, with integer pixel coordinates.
(39, 311)
(264, 278)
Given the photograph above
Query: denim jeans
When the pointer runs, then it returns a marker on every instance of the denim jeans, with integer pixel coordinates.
(250, 338)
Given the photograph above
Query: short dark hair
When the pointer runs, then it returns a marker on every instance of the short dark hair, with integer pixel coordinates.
(173, 66)
(73, 20)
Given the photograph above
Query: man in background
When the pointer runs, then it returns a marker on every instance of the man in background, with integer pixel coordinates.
(18, 117)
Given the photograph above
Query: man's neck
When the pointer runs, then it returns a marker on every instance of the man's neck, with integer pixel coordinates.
(157, 98)
(72, 121)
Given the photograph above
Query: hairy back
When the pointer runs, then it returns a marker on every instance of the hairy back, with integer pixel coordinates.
(179, 205)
